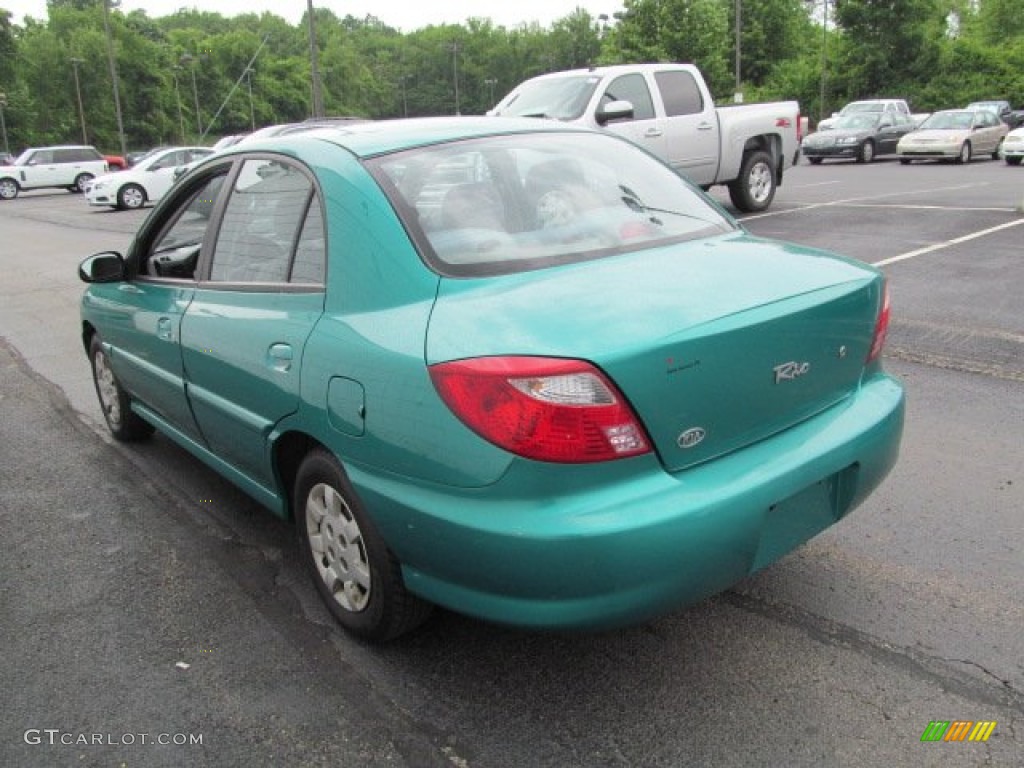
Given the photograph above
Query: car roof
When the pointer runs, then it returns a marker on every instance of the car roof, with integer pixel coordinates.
(386, 136)
(64, 146)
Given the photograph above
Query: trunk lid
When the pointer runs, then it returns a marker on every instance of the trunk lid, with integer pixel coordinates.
(716, 344)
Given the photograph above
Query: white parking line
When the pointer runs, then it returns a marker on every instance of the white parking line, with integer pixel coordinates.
(946, 244)
(815, 184)
(931, 207)
(868, 198)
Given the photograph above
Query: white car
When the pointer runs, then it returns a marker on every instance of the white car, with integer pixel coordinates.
(1013, 146)
(145, 182)
(955, 134)
(66, 167)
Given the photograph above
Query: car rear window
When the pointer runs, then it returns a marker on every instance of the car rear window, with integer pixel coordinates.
(511, 203)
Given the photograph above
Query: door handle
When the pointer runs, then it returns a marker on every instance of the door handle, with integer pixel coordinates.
(652, 133)
(164, 329)
(279, 357)
(704, 127)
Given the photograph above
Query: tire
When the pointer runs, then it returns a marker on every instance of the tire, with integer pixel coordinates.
(124, 424)
(81, 180)
(995, 152)
(1013, 161)
(754, 189)
(9, 189)
(867, 152)
(357, 576)
(131, 197)
(904, 161)
(814, 160)
(965, 154)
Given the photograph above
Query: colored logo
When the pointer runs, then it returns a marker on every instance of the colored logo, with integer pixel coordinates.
(958, 730)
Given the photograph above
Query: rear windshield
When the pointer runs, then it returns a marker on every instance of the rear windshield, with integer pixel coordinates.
(526, 201)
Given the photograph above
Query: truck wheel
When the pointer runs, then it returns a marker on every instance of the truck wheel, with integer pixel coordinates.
(754, 189)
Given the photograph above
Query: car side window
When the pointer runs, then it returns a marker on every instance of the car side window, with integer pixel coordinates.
(170, 160)
(176, 252)
(261, 223)
(680, 92)
(41, 157)
(311, 251)
(632, 88)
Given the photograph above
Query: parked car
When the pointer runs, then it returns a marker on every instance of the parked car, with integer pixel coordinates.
(892, 106)
(6, 158)
(1002, 109)
(957, 134)
(67, 167)
(146, 182)
(860, 136)
(517, 368)
(116, 162)
(1013, 146)
(669, 111)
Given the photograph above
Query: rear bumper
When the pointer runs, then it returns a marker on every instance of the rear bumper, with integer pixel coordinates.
(551, 547)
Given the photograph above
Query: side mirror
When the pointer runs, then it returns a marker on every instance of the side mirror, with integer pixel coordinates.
(105, 267)
(614, 110)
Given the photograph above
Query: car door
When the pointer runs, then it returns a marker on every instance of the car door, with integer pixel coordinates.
(644, 127)
(691, 126)
(160, 175)
(143, 321)
(39, 171)
(260, 294)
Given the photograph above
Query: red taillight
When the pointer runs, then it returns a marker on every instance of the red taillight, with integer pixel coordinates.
(881, 327)
(548, 409)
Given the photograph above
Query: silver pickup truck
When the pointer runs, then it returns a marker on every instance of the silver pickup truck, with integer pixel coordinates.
(668, 110)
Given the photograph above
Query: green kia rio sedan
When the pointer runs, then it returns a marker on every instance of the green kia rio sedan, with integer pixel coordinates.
(517, 369)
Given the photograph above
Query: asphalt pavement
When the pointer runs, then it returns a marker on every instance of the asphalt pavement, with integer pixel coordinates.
(144, 599)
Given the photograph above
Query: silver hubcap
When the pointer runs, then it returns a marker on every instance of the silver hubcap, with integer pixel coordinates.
(106, 386)
(965, 153)
(7, 189)
(869, 152)
(338, 547)
(760, 182)
(132, 197)
(83, 181)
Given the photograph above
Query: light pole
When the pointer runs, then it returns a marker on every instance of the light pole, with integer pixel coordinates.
(78, 93)
(177, 97)
(318, 96)
(490, 82)
(188, 58)
(113, 72)
(824, 54)
(252, 112)
(3, 123)
(739, 25)
(454, 48)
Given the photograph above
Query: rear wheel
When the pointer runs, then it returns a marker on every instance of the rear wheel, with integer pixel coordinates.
(1013, 161)
(814, 160)
(904, 161)
(81, 180)
(867, 152)
(8, 189)
(965, 153)
(124, 424)
(131, 196)
(996, 151)
(754, 188)
(355, 573)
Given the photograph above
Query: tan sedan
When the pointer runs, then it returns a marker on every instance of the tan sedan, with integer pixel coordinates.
(959, 134)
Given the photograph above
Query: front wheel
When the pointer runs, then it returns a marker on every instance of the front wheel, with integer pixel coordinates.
(355, 573)
(124, 424)
(754, 189)
(867, 152)
(8, 189)
(81, 180)
(965, 154)
(1013, 161)
(131, 196)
